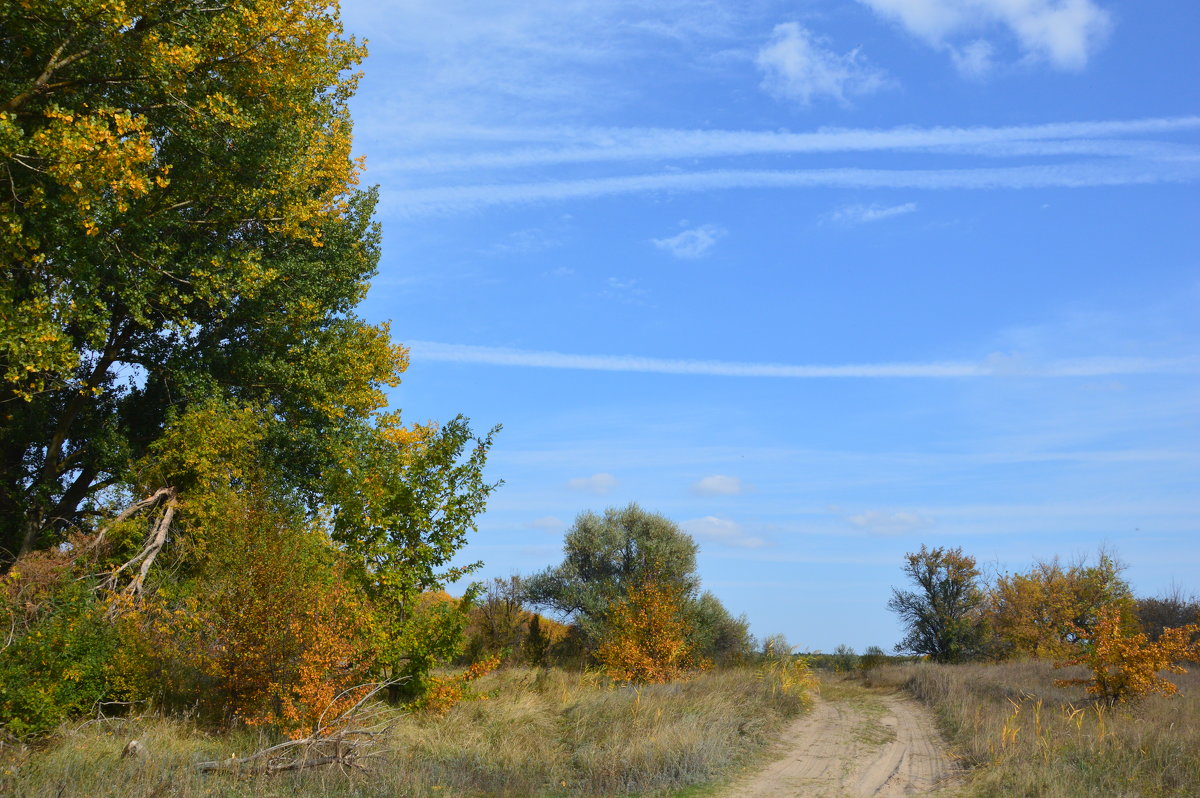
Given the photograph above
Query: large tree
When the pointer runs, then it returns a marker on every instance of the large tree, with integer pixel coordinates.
(182, 249)
(942, 615)
(178, 221)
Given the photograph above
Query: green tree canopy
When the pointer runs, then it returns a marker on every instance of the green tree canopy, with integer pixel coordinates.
(178, 221)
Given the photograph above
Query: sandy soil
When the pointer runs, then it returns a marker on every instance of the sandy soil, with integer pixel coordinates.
(877, 745)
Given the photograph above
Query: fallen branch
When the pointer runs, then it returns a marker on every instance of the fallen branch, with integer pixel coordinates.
(344, 741)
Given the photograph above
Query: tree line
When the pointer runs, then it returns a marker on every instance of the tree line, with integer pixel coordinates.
(1075, 614)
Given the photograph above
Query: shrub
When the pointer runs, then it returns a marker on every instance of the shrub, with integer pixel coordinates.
(60, 665)
(270, 633)
(645, 637)
(1128, 666)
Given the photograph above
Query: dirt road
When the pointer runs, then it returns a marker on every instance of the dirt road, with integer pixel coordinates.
(856, 743)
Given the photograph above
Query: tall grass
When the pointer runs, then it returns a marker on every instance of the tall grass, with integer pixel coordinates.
(1026, 737)
(537, 733)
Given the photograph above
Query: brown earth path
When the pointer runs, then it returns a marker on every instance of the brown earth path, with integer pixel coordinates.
(861, 744)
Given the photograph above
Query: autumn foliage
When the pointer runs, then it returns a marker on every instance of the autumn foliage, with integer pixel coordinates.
(445, 691)
(647, 636)
(1128, 666)
(1045, 612)
(269, 632)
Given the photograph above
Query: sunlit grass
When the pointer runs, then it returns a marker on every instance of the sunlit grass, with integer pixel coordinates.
(537, 733)
(1025, 737)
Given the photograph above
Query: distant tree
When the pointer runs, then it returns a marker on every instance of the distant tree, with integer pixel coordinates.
(715, 633)
(872, 658)
(606, 556)
(1172, 610)
(942, 614)
(844, 659)
(536, 642)
(499, 621)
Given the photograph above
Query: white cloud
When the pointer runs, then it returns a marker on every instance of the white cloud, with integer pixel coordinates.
(597, 483)
(862, 214)
(797, 66)
(974, 60)
(627, 291)
(719, 485)
(891, 522)
(547, 523)
(992, 366)
(722, 531)
(1064, 33)
(691, 244)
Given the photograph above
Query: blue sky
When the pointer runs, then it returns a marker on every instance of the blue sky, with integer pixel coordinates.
(820, 281)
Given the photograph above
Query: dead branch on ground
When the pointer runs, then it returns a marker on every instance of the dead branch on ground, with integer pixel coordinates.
(345, 741)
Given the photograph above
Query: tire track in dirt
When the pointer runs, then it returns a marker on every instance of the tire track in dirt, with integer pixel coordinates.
(884, 745)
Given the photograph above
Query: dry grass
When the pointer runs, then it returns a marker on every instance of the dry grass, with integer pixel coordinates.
(1026, 737)
(539, 733)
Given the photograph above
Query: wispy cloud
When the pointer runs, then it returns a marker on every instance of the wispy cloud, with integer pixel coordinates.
(994, 366)
(547, 523)
(562, 145)
(523, 242)
(863, 214)
(891, 522)
(596, 483)
(798, 66)
(1064, 33)
(1076, 175)
(722, 531)
(719, 485)
(691, 244)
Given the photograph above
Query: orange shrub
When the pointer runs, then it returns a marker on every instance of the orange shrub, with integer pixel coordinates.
(1127, 666)
(645, 637)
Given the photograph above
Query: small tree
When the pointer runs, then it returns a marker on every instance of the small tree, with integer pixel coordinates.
(1128, 666)
(645, 638)
(715, 633)
(942, 615)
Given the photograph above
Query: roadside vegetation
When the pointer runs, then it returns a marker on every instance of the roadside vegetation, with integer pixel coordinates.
(1022, 734)
(524, 732)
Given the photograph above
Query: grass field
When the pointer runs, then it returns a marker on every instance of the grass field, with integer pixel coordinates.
(556, 733)
(1022, 736)
(538, 733)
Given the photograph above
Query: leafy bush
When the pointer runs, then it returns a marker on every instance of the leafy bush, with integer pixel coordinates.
(60, 664)
(269, 633)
